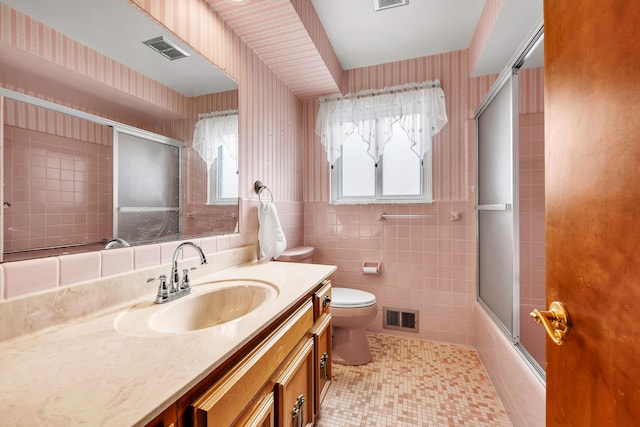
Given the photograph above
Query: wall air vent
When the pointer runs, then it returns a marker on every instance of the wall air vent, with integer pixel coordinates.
(166, 48)
(401, 319)
(386, 4)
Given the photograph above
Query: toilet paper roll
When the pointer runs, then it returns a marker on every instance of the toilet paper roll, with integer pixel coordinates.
(370, 270)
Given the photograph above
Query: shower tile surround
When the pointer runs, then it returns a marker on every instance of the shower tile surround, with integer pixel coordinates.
(410, 383)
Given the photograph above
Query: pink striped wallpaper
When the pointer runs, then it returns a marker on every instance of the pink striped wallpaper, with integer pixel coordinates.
(481, 34)
(27, 116)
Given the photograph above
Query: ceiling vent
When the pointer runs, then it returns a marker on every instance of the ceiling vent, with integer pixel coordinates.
(166, 48)
(386, 4)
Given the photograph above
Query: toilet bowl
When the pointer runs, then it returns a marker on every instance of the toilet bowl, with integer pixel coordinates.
(351, 311)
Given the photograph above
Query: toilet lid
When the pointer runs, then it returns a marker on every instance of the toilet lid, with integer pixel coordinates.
(297, 253)
(349, 298)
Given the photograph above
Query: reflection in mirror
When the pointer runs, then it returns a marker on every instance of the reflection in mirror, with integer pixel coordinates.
(147, 177)
(67, 204)
(57, 182)
(216, 142)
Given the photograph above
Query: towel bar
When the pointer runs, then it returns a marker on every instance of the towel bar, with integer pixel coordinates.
(258, 187)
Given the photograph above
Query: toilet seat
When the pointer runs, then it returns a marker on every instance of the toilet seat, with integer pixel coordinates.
(351, 298)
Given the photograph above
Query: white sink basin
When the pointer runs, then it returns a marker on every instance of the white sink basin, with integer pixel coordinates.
(211, 305)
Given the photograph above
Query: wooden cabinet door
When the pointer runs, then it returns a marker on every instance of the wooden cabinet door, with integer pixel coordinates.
(262, 414)
(322, 340)
(294, 388)
(592, 140)
(225, 401)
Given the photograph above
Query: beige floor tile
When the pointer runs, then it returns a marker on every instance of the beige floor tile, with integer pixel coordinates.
(413, 383)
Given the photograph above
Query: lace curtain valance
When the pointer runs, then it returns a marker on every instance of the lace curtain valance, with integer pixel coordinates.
(213, 130)
(418, 108)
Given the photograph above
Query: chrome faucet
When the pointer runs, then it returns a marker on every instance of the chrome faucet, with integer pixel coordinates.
(117, 242)
(176, 288)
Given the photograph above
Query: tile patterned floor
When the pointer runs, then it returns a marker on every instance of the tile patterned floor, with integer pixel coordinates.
(413, 383)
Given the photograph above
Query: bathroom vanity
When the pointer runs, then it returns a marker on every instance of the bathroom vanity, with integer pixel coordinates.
(270, 366)
(279, 378)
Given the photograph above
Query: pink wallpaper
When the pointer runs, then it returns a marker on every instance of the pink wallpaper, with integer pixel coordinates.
(487, 21)
(27, 116)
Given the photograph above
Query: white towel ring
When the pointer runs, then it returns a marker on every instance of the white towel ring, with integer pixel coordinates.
(258, 187)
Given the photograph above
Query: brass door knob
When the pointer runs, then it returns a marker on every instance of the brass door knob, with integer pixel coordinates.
(555, 321)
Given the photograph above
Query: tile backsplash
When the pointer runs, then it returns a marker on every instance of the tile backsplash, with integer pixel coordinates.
(44, 308)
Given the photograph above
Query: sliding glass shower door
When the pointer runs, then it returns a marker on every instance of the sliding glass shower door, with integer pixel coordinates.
(498, 255)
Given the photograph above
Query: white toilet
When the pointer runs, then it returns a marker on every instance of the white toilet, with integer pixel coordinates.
(351, 311)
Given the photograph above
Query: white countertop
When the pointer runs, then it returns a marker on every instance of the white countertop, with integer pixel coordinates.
(87, 373)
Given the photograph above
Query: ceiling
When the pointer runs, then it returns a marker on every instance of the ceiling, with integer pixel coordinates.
(361, 37)
(286, 36)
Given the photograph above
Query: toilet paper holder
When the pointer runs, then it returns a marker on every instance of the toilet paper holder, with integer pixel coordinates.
(371, 267)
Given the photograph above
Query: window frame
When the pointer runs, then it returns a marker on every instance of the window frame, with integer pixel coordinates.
(426, 190)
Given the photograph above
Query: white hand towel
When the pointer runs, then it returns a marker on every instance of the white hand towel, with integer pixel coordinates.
(270, 235)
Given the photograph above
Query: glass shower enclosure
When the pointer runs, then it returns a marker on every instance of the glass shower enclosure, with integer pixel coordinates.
(510, 202)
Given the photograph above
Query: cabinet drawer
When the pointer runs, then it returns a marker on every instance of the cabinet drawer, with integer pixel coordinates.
(225, 401)
(294, 388)
(322, 361)
(322, 300)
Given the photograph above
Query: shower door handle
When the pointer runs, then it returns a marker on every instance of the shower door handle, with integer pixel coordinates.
(555, 321)
(494, 207)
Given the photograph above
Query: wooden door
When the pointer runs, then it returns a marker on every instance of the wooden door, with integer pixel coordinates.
(592, 122)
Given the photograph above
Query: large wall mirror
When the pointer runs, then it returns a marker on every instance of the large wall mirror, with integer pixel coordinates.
(62, 132)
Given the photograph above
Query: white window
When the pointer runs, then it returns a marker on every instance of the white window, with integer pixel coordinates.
(399, 175)
(379, 145)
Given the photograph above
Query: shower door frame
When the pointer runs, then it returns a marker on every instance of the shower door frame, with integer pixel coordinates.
(509, 76)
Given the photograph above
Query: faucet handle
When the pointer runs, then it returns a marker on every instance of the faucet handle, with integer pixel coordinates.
(185, 277)
(163, 290)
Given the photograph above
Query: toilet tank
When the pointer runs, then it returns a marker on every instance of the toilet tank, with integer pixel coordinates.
(298, 254)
